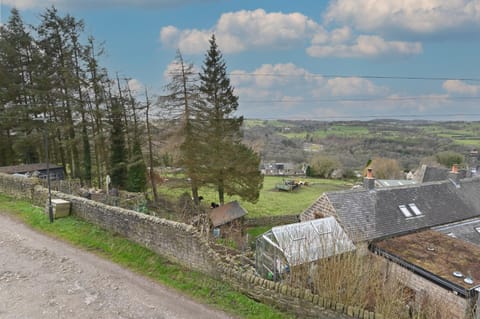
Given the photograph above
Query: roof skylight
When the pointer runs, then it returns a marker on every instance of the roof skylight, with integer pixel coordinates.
(405, 211)
(415, 209)
(410, 210)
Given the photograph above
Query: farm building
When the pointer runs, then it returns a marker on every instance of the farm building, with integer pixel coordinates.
(290, 245)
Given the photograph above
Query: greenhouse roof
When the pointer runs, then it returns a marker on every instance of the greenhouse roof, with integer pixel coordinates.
(312, 240)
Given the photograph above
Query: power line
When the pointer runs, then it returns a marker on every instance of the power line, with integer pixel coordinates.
(386, 77)
(392, 116)
(365, 99)
(319, 75)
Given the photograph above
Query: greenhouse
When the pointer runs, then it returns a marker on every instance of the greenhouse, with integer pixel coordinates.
(290, 245)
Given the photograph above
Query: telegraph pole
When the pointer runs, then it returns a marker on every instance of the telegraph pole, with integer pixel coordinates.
(47, 160)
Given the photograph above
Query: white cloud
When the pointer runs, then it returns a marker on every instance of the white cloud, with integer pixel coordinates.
(256, 30)
(242, 30)
(335, 36)
(365, 46)
(136, 86)
(354, 86)
(287, 90)
(175, 68)
(410, 16)
(460, 87)
(28, 4)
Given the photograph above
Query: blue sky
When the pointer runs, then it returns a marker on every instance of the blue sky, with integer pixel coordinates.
(303, 59)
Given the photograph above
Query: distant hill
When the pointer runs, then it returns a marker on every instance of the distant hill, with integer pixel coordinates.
(354, 142)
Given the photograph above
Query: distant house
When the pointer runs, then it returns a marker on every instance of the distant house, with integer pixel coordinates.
(436, 266)
(37, 170)
(280, 169)
(373, 213)
(228, 221)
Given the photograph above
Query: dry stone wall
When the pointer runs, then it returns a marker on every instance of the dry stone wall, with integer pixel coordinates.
(181, 243)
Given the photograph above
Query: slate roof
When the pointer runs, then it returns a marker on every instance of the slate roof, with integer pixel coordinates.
(374, 214)
(432, 174)
(226, 213)
(394, 182)
(466, 230)
(436, 256)
(25, 168)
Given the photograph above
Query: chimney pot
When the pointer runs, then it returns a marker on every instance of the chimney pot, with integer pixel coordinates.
(369, 180)
(454, 168)
(369, 173)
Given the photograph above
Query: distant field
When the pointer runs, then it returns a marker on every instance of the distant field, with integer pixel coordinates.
(332, 130)
(271, 202)
(467, 134)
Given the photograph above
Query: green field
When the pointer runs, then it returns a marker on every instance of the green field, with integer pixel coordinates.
(271, 201)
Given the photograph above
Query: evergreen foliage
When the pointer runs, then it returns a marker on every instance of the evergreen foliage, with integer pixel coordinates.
(183, 98)
(137, 170)
(219, 133)
(118, 157)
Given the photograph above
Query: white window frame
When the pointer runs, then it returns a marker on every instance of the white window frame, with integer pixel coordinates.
(414, 208)
(405, 211)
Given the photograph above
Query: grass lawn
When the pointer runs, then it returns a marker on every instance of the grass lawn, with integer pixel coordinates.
(140, 260)
(271, 201)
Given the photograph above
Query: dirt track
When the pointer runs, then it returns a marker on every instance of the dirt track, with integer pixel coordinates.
(41, 277)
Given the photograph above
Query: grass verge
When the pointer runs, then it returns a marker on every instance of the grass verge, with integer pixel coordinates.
(141, 260)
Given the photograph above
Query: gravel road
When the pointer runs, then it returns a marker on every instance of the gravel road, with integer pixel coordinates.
(41, 277)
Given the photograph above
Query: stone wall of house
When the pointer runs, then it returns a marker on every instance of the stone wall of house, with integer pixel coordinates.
(321, 208)
(456, 306)
(271, 220)
(183, 244)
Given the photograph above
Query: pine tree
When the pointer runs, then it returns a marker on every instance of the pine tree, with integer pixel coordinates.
(137, 170)
(219, 131)
(18, 53)
(118, 155)
(182, 96)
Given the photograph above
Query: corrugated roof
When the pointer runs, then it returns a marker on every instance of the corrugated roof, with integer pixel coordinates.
(311, 240)
(226, 213)
(373, 214)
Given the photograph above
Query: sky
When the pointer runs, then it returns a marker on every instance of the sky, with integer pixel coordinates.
(304, 59)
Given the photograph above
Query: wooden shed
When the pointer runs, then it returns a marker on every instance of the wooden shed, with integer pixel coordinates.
(228, 221)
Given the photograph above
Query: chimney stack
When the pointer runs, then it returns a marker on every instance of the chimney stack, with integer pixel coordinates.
(454, 176)
(454, 169)
(369, 180)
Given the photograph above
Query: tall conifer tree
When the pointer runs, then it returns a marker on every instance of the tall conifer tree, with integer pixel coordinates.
(118, 155)
(221, 132)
